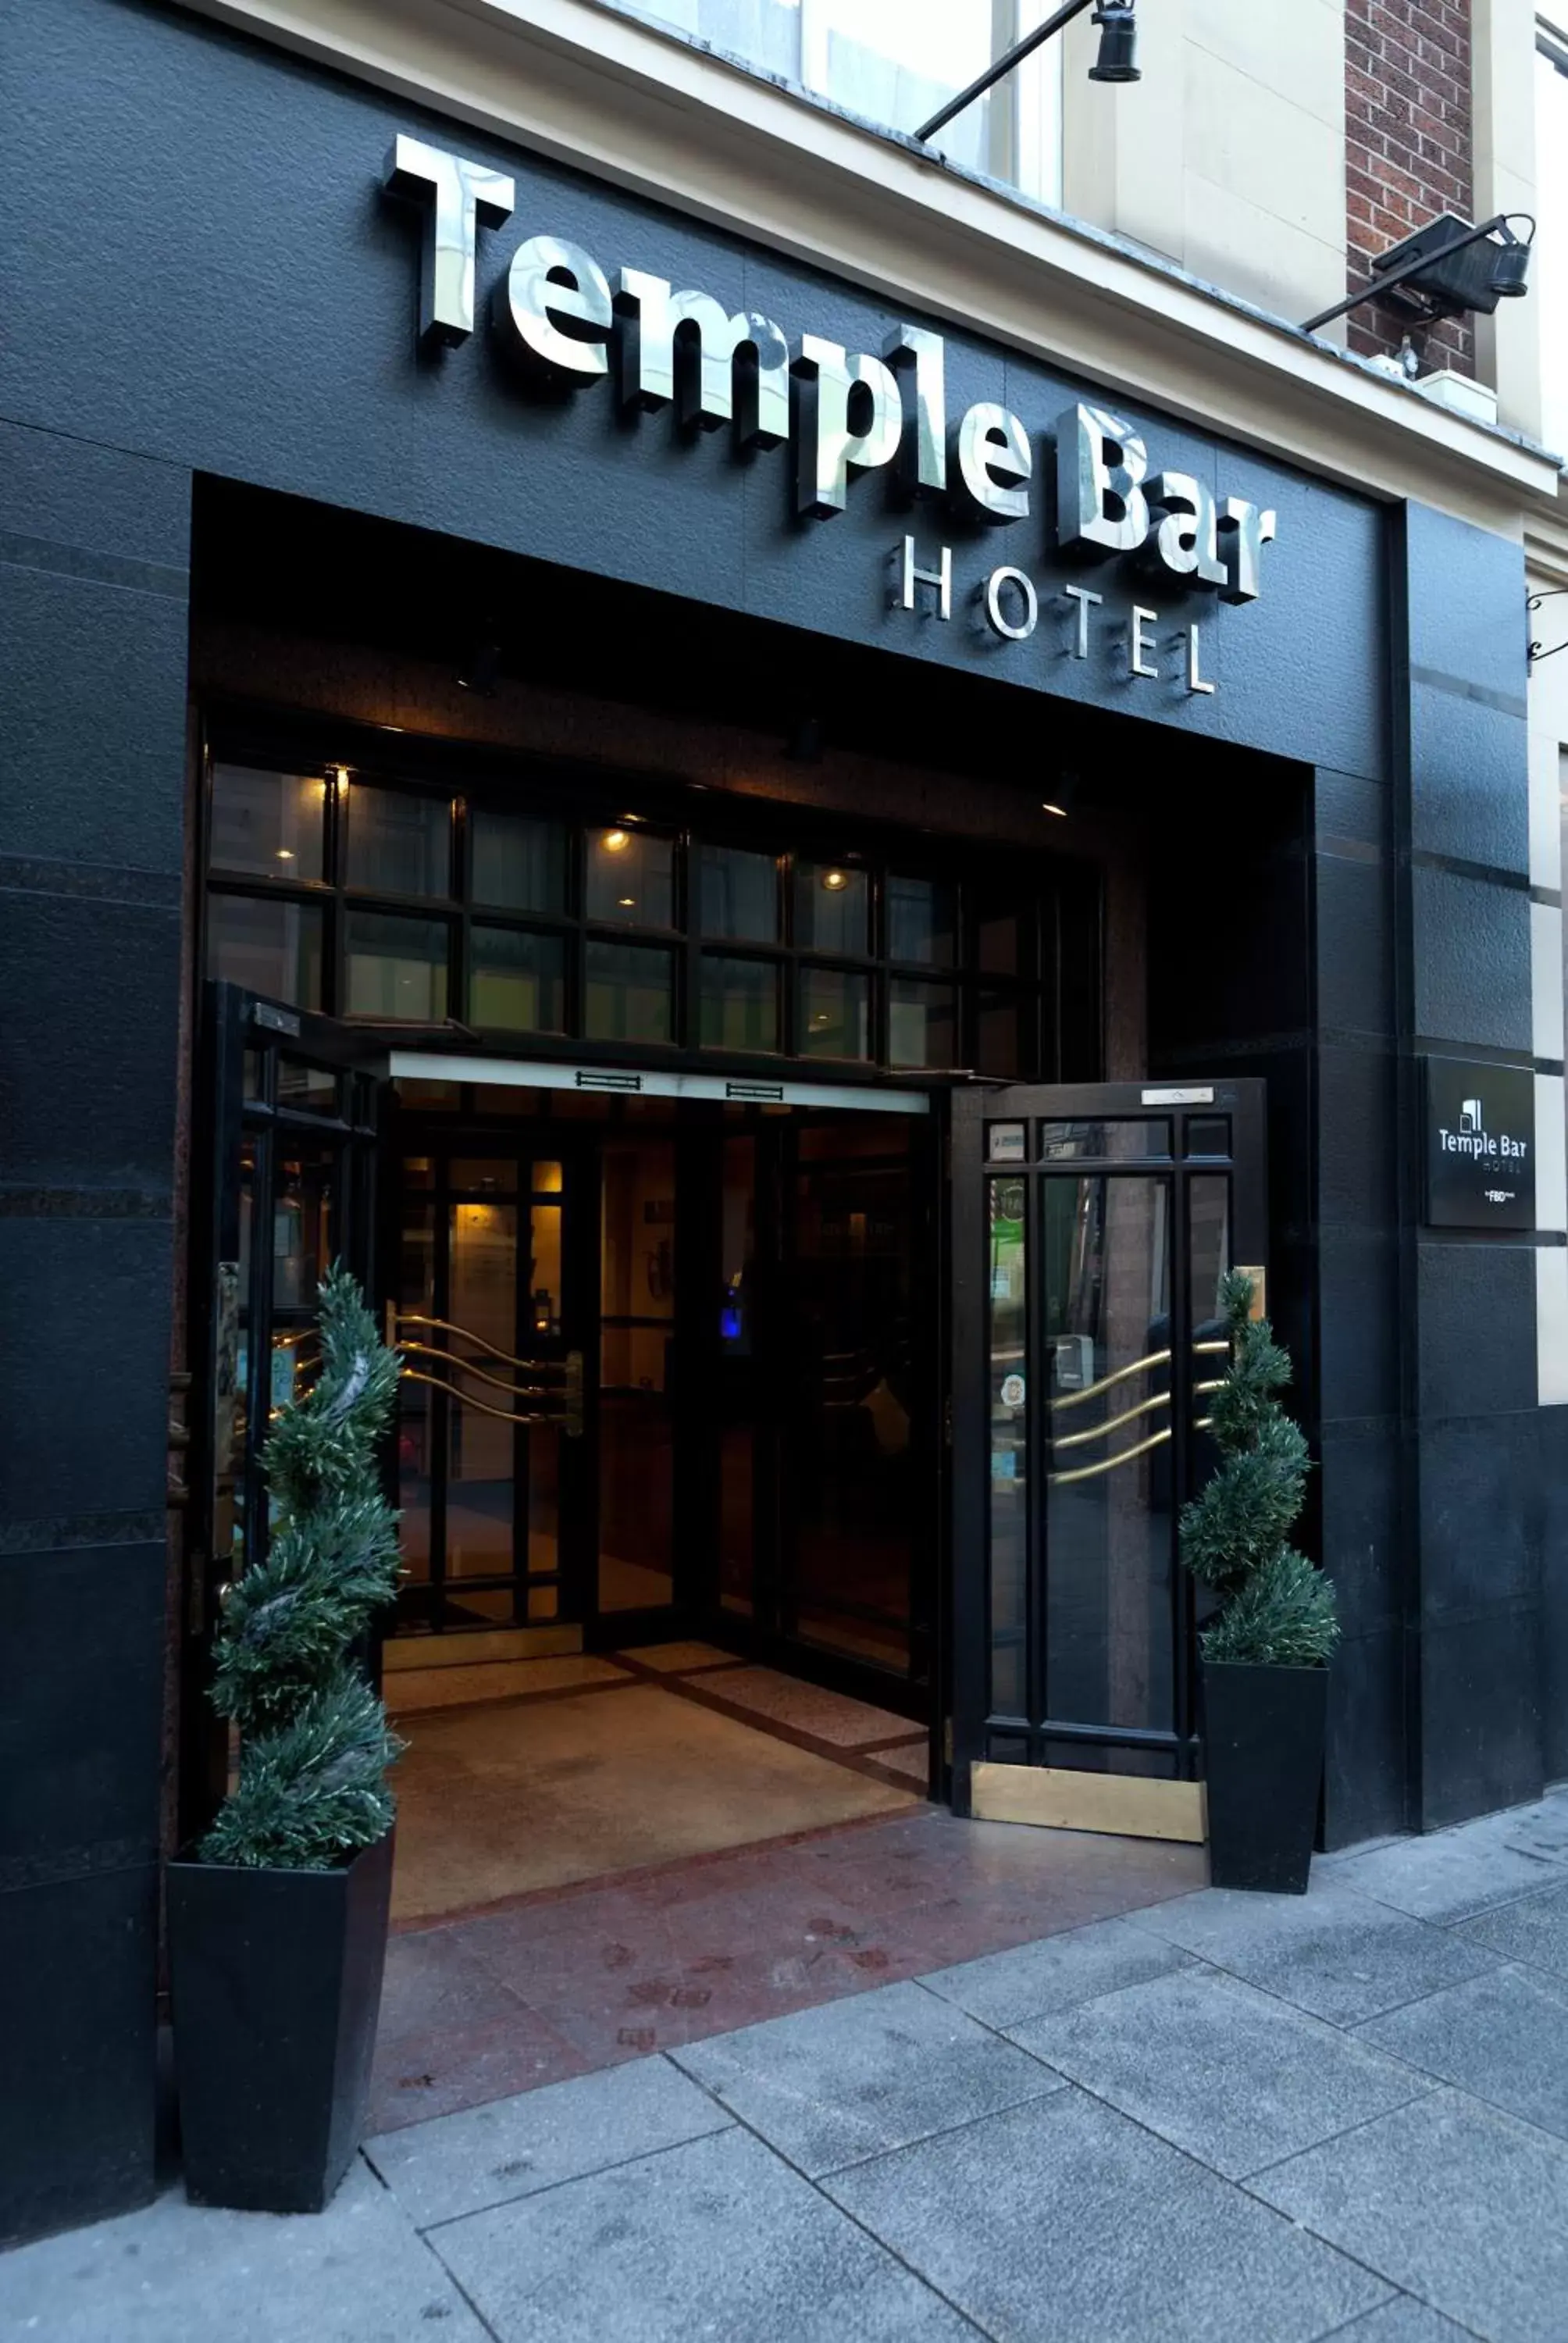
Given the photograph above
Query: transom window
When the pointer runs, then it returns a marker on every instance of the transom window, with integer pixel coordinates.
(408, 905)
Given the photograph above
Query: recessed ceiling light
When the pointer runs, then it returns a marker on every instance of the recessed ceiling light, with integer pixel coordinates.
(616, 841)
(1060, 811)
(835, 880)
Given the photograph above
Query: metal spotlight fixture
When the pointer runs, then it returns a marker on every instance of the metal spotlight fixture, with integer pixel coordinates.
(1447, 269)
(1118, 58)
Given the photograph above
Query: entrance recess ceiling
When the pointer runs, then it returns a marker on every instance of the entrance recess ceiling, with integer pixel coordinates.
(641, 1082)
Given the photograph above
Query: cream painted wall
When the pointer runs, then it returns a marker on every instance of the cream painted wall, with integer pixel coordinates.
(1502, 50)
(1228, 156)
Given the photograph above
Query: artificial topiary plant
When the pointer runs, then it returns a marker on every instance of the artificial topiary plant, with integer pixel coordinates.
(314, 1741)
(1277, 1609)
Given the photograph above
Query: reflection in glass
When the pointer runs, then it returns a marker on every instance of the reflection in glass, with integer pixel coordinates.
(832, 907)
(1131, 1139)
(739, 894)
(304, 1088)
(632, 878)
(396, 967)
(920, 920)
(1008, 1373)
(849, 1392)
(302, 1236)
(739, 1004)
(519, 864)
(835, 1014)
(268, 824)
(737, 1397)
(636, 1440)
(415, 1295)
(517, 982)
(482, 1284)
(488, 1175)
(398, 843)
(1110, 1524)
(922, 1023)
(630, 993)
(270, 947)
(544, 1291)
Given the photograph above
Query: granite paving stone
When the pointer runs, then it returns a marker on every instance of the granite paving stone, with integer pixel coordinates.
(1460, 2205)
(1061, 2222)
(1235, 2076)
(1403, 2320)
(1451, 1875)
(1055, 1972)
(1534, 1928)
(516, 2147)
(1502, 2036)
(854, 2078)
(179, 2272)
(1334, 1953)
(717, 2238)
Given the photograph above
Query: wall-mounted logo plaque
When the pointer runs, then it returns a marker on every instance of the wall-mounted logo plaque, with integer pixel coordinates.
(1480, 1145)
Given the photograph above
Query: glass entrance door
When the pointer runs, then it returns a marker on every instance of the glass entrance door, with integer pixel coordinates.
(484, 1303)
(283, 1158)
(1090, 1230)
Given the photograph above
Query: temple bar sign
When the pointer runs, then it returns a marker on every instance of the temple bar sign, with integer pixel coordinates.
(843, 412)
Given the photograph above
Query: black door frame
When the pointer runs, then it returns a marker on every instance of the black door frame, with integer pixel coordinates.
(1243, 1103)
(242, 1099)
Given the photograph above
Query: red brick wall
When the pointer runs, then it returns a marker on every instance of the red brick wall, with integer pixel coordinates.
(1408, 151)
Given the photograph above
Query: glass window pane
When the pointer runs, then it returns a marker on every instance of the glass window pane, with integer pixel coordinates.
(632, 878)
(1004, 937)
(488, 1174)
(1119, 1142)
(482, 1272)
(397, 968)
(1007, 1293)
(517, 982)
(270, 947)
(1109, 1519)
(518, 865)
(739, 894)
(835, 1014)
(545, 1268)
(630, 994)
(832, 907)
(920, 921)
(922, 1023)
(266, 823)
(998, 1035)
(739, 1004)
(398, 844)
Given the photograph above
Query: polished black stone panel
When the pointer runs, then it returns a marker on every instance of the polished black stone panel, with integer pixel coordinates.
(1358, 1530)
(1359, 1323)
(1353, 937)
(1481, 1515)
(93, 652)
(1481, 1724)
(81, 1663)
(1357, 1117)
(87, 1077)
(1366, 1758)
(1469, 758)
(1346, 806)
(78, 1970)
(83, 1382)
(1477, 1319)
(1471, 952)
(1472, 961)
(1551, 1482)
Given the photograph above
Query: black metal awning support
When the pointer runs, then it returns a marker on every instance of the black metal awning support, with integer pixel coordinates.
(1003, 65)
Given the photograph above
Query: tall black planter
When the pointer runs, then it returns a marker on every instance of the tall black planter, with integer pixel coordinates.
(1263, 1746)
(276, 1982)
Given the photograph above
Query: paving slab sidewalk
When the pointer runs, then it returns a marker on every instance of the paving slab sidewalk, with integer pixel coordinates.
(1220, 2119)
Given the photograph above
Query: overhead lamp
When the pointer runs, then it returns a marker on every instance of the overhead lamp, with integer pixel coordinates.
(1118, 58)
(835, 881)
(1447, 269)
(616, 841)
(1117, 61)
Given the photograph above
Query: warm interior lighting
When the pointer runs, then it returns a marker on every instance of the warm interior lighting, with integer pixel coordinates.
(616, 841)
(1060, 811)
(285, 853)
(835, 880)
(626, 902)
(342, 780)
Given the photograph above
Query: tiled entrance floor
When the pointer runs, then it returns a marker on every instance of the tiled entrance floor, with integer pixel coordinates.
(553, 1985)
